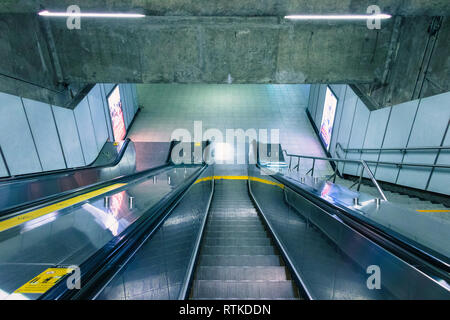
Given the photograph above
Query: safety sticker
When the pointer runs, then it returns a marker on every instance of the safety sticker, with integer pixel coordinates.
(44, 281)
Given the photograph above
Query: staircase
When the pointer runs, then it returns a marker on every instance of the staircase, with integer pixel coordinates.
(237, 258)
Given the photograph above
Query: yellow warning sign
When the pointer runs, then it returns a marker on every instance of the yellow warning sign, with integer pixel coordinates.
(15, 221)
(44, 281)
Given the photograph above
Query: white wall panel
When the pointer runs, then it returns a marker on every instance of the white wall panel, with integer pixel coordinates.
(65, 122)
(397, 133)
(98, 116)
(357, 136)
(374, 135)
(440, 180)
(15, 137)
(345, 125)
(45, 134)
(86, 131)
(428, 130)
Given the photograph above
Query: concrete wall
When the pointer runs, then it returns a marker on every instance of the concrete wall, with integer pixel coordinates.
(418, 123)
(36, 137)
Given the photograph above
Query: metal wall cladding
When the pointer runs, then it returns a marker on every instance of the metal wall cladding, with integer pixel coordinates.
(38, 137)
(331, 258)
(159, 270)
(16, 192)
(418, 123)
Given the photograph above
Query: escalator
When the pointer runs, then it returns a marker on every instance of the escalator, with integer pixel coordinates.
(238, 259)
(192, 232)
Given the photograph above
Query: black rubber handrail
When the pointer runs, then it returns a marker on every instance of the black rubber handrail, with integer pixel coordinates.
(102, 265)
(69, 170)
(51, 199)
(392, 241)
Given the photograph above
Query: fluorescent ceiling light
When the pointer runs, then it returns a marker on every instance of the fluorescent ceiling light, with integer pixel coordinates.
(46, 13)
(339, 17)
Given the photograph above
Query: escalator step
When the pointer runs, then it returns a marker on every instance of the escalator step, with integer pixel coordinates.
(206, 289)
(229, 228)
(270, 273)
(239, 260)
(236, 234)
(237, 242)
(240, 250)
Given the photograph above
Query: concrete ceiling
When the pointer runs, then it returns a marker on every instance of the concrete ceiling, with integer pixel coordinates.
(206, 41)
(236, 7)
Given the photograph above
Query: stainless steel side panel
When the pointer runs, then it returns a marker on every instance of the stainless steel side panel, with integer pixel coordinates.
(331, 257)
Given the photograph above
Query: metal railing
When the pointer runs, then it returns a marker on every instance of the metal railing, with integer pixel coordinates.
(401, 150)
(401, 164)
(362, 163)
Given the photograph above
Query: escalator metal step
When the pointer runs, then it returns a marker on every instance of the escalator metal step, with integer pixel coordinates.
(236, 234)
(239, 250)
(237, 242)
(233, 228)
(218, 289)
(239, 260)
(237, 257)
(269, 273)
(241, 222)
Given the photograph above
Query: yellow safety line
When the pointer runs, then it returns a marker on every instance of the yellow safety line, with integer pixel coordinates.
(15, 221)
(241, 178)
(433, 210)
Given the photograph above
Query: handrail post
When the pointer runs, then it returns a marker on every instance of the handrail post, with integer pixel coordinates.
(360, 177)
(298, 164)
(290, 162)
(312, 169)
(335, 173)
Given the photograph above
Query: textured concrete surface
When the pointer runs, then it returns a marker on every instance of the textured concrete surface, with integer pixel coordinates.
(236, 7)
(220, 42)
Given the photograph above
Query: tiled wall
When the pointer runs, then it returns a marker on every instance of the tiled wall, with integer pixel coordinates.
(36, 136)
(418, 123)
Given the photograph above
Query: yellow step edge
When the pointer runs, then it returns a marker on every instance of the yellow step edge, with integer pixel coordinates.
(241, 178)
(433, 210)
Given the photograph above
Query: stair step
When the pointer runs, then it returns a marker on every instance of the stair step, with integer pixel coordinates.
(237, 242)
(268, 273)
(236, 234)
(218, 289)
(243, 222)
(228, 215)
(221, 228)
(240, 250)
(239, 260)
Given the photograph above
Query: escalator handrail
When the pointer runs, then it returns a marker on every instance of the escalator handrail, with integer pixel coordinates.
(393, 242)
(53, 198)
(103, 264)
(69, 170)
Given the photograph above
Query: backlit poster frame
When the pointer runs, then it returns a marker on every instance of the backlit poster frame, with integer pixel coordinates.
(328, 117)
(116, 113)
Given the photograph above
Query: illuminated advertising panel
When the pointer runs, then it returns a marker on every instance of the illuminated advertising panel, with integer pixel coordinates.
(115, 110)
(329, 110)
